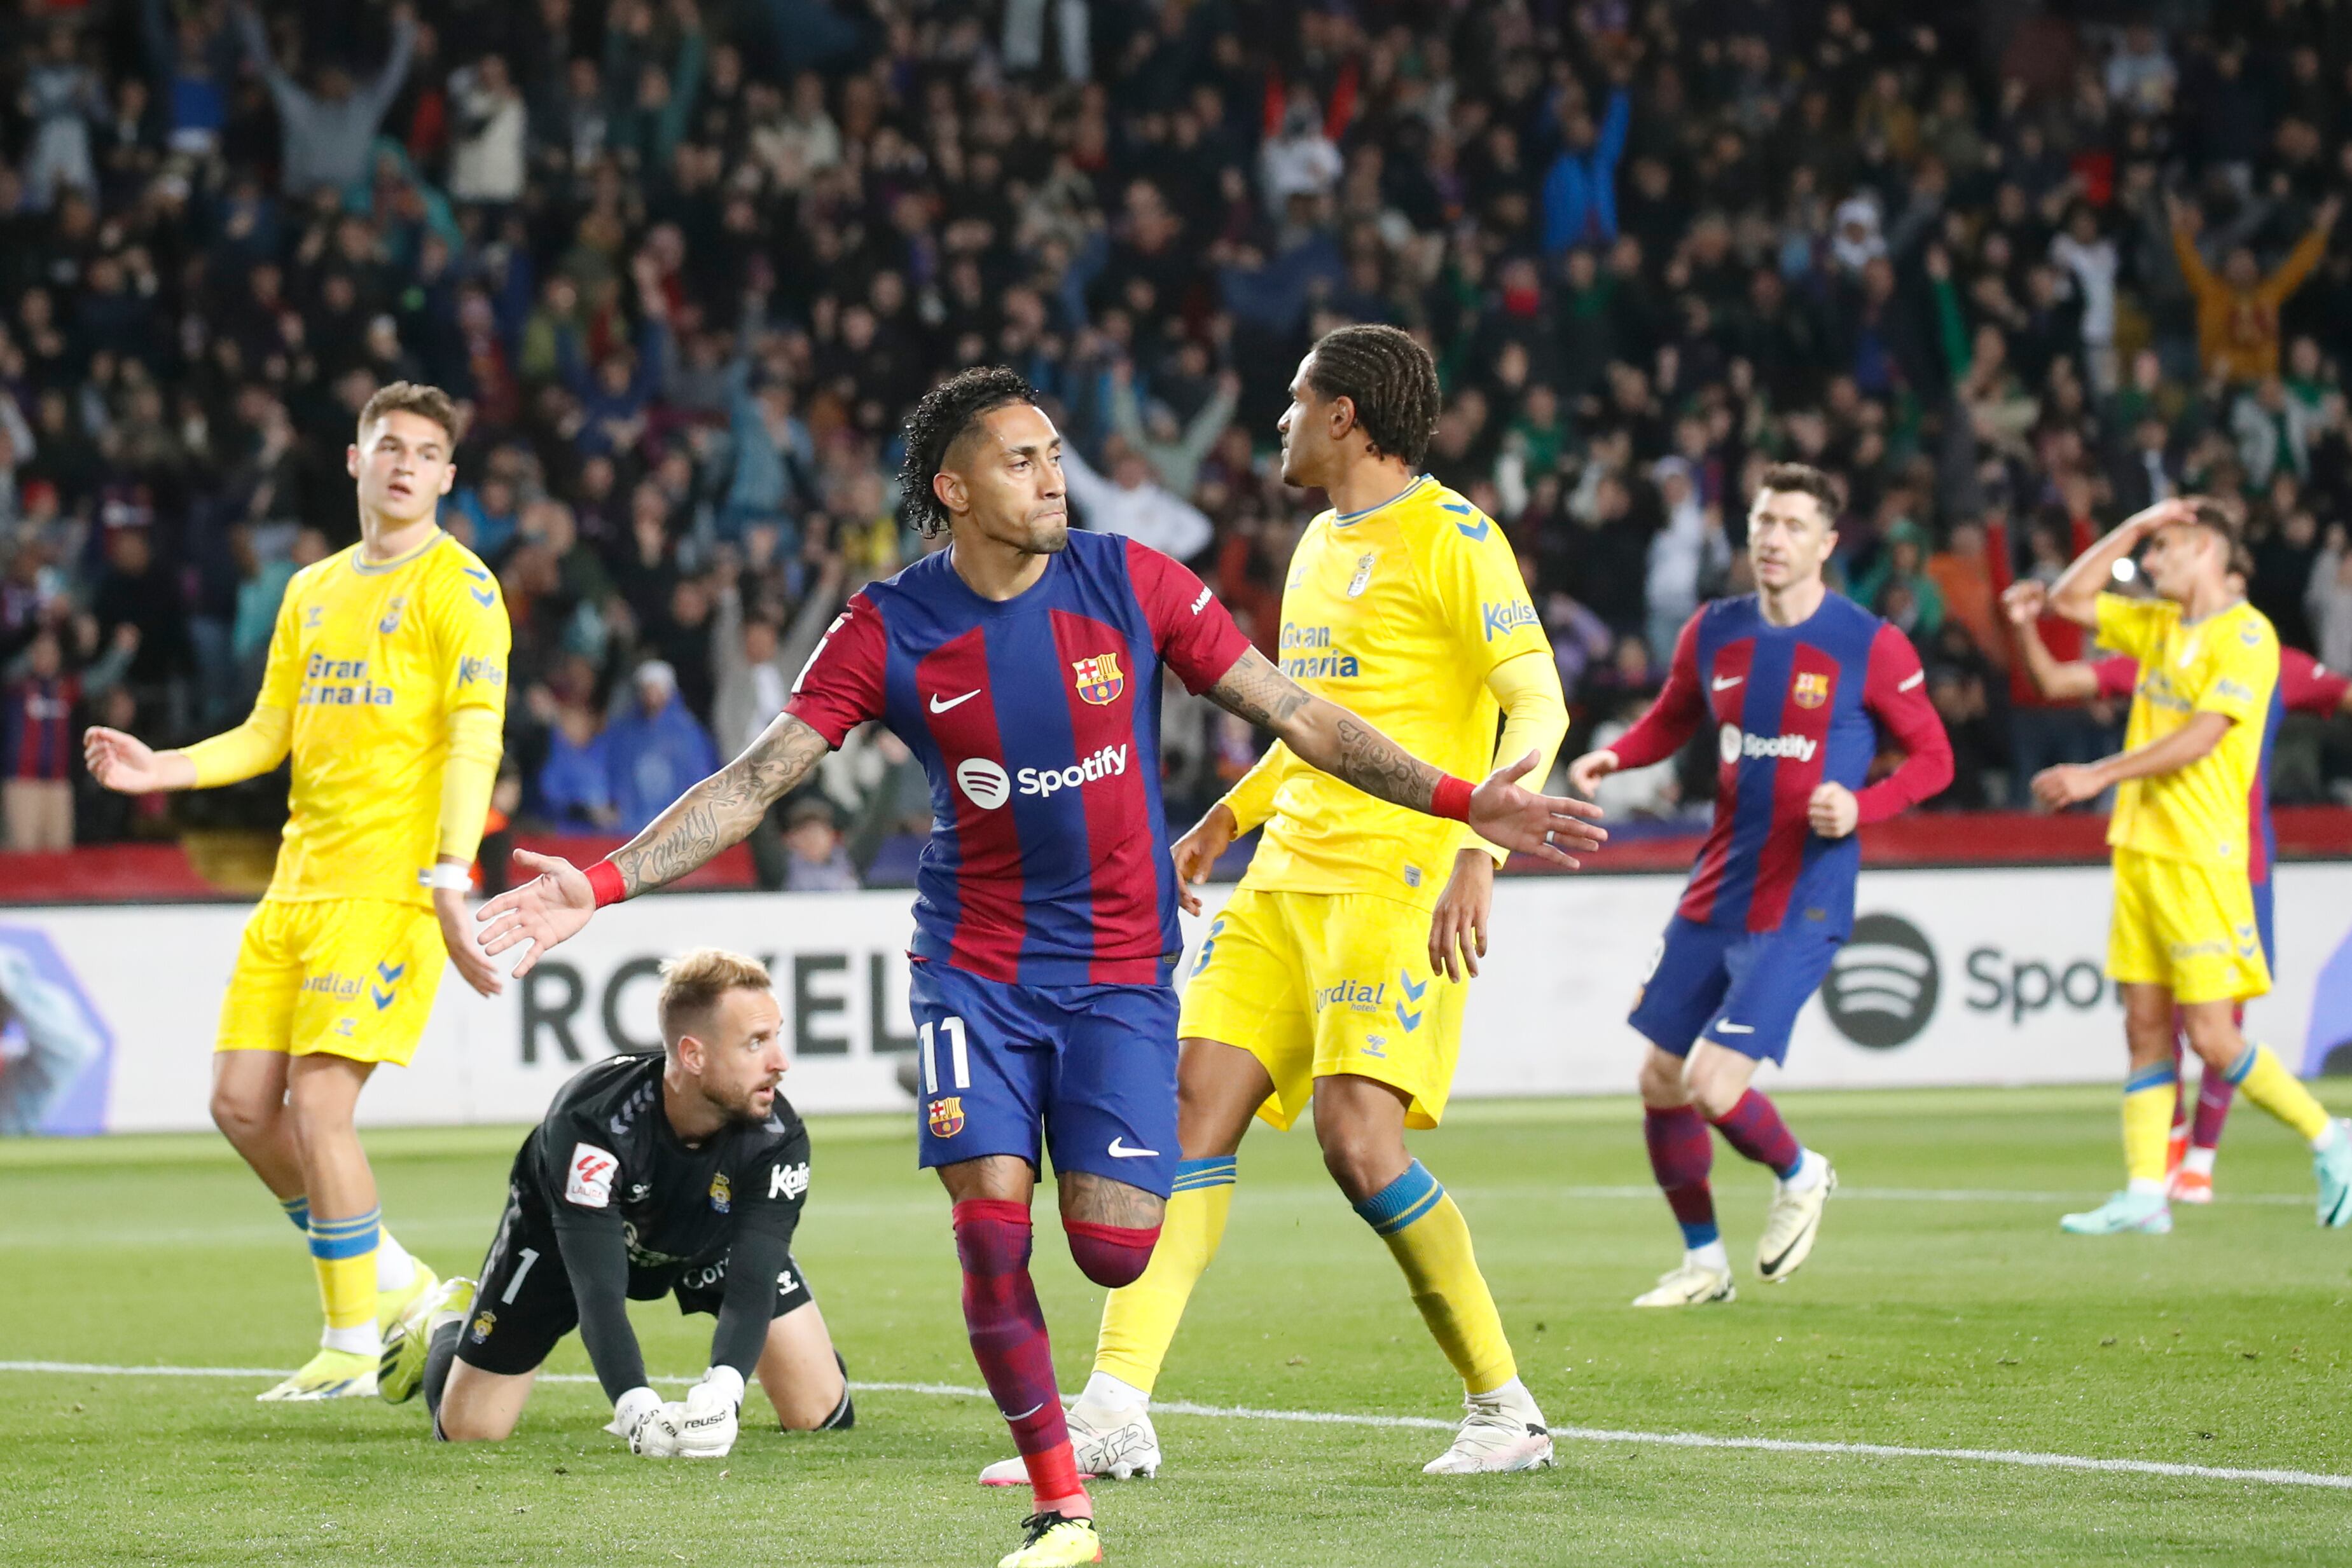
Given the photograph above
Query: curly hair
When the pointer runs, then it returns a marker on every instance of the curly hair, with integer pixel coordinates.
(939, 421)
(1391, 381)
(1805, 479)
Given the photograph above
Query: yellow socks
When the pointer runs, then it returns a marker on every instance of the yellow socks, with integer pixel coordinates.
(2149, 1095)
(1432, 1244)
(2262, 1078)
(1140, 1320)
(343, 1252)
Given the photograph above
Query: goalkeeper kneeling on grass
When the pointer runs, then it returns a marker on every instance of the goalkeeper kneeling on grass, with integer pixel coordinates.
(682, 1173)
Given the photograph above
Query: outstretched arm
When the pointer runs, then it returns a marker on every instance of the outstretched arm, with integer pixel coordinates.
(1328, 737)
(720, 811)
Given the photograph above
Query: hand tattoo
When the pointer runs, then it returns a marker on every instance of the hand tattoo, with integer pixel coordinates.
(723, 808)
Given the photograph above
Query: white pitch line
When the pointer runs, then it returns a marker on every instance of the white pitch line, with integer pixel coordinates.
(2025, 1457)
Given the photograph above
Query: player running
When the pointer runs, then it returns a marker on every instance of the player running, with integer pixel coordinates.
(2304, 685)
(2184, 933)
(1806, 687)
(1022, 665)
(386, 681)
(682, 1173)
(1315, 982)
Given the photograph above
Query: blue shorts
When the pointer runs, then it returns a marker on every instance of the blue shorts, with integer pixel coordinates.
(1741, 990)
(2265, 923)
(1090, 1068)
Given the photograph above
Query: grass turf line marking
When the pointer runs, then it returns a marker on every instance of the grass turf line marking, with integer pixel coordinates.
(2024, 1457)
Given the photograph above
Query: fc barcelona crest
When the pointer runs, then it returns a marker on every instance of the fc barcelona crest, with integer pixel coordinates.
(1099, 681)
(1813, 689)
(947, 1116)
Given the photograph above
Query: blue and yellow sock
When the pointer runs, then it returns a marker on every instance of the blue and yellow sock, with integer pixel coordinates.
(344, 1253)
(1431, 1241)
(2263, 1079)
(1140, 1320)
(2149, 1096)
(298, 1209)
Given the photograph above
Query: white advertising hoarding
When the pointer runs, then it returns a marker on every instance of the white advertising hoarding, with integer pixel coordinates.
(1954, 977)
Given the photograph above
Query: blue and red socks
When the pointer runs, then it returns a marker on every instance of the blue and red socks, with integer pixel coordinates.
(1008, 1339)
(1682, 1152)
(1754, 1127)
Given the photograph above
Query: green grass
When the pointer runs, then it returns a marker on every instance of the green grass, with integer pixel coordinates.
(1969, 1323)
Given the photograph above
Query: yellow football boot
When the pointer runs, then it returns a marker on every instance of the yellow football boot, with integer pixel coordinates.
(1054, 1542)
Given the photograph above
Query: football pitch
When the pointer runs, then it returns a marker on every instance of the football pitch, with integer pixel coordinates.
(1942, 1311)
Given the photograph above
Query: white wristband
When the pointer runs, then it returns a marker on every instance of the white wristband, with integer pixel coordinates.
(631, 1408)
(448, 873)
(728, 1381)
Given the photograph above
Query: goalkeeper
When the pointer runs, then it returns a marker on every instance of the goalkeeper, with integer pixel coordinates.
(678, 1174)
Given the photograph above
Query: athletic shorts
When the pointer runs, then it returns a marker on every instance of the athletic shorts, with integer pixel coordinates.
(1741, 990)
(1318, 984)
(2187, 927)
(524, 1304)
(346, 977)
(1085, 1072)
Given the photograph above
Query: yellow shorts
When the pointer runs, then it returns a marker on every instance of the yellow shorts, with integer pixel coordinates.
(1317, 984)
(2187, 926)
(351, 976)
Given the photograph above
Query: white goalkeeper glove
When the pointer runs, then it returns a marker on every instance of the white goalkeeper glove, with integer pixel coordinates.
(705, 1424)
(639, 1415)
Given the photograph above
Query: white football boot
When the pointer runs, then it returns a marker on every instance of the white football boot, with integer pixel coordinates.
(1689, 1285)
(1503, 1431)
(1793, 1222)
(1109, 1445)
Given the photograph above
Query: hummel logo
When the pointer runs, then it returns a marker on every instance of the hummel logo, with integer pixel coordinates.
(939, 707)
(1119, 1150)
(1725, 683)
(1727, 1027)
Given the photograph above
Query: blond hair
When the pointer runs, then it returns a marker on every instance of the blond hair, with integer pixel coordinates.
(692, 984)
(412, 397)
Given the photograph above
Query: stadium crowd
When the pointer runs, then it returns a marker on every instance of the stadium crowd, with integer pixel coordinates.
(687, 264)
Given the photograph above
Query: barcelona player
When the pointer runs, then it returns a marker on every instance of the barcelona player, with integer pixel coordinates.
(2304, 685)
(387, 683)
(1337, 972)
(1023, 665)
(2184, 933)
(1805, 688)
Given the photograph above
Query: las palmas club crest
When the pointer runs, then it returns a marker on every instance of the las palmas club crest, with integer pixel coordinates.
(1099, 681)
(1813, 689)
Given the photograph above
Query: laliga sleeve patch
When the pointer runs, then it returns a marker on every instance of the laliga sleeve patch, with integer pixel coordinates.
(588, 1182)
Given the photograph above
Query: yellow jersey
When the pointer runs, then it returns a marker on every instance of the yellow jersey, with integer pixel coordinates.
(2226, 663)
(372, 659)
(1397, 613)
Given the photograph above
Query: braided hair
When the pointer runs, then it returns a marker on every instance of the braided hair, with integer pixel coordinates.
(1391, 381)
(940, 420)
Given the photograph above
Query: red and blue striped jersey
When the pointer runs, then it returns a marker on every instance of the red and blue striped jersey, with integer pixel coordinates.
(2304, 685)
(1795, 707)
(1037, 721)
(37, 738)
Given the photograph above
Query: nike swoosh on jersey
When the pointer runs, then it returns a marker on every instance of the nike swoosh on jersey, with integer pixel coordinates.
(1916, 677)
(1735, 1028)
(1725, 683)
(939, 707)
(1119, 1150)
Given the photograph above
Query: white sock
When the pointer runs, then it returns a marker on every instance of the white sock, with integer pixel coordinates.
(1512, 1395)
(2328, 1135)
(1105, 1391)
(2145, 1186)
(395, 1268)
(1711, 1256)
(1808, 1174)
(2196, 1161)
(361, 1340)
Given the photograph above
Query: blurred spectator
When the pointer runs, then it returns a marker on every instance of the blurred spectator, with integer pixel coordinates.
(815, 860)
(654, 749)
(1129, 503)
(326, 131)
(2238, 311)
(576, 781)
(40, 740)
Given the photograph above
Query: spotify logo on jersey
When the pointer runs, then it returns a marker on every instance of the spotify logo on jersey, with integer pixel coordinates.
(985, 781)
(1883, 984)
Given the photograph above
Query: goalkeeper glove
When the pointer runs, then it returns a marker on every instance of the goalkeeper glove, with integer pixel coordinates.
(706, 1422)
(639, 1415)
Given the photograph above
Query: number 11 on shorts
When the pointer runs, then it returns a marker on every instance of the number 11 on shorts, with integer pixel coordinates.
(959, 1061)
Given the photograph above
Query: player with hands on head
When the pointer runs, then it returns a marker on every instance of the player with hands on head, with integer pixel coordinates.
(1022, 665)
(1804, 688)
(682, 1173)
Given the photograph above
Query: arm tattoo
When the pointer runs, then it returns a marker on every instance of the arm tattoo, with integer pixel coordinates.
(1254, 690)
(1325, 734)
(722, 809)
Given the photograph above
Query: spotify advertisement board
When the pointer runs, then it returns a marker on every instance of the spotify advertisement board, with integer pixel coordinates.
(1982, 976)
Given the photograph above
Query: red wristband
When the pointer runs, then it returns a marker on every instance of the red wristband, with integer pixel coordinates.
(1451, 799)
(604, 882)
